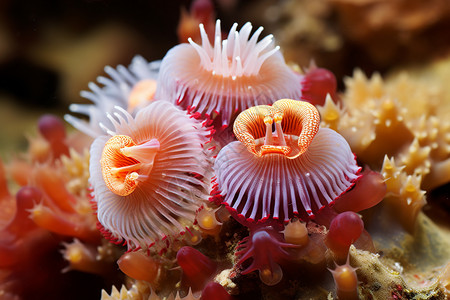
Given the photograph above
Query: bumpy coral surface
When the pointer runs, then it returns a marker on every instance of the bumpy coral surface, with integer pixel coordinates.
(398, 118)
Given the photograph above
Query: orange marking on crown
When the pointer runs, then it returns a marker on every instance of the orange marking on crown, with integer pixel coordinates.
(119, 171)
(296, 124)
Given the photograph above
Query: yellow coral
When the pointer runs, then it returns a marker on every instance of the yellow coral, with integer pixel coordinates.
(77, 169)
(134, 293)
(330, 113)
(416, 159)
(140, 291)
(405, 117)
(403, 195)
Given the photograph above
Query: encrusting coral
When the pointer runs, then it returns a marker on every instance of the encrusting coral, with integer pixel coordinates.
(379, 119)
(397, 121)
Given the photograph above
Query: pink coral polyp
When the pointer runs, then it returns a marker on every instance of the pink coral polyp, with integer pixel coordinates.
(228, 76)
(267, 249)
(147, 174)
(278, 185)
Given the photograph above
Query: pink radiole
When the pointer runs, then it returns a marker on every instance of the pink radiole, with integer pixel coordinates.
(221, 78)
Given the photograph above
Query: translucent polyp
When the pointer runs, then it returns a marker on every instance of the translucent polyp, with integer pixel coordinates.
(368, 191)
(296, 233)
(197, 268)
(214, 290)
(63, 224)
(54, 187)
(208, 223)
(83, 257)
(52, 129)
(26, 197)
(271, 275)
(346, 282)
(344, 230)
(139, 266)
(206, 219)
(267, 249)
(317, 83)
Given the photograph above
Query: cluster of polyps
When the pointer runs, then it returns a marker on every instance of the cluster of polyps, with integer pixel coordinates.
(152, 164)
(151, 172)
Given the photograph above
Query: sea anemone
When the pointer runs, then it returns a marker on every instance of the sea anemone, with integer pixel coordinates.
(228, 77)
(52, 129)
(297, 168)
(147, 175)
(127, 88)
(200, 12)
(295, 232)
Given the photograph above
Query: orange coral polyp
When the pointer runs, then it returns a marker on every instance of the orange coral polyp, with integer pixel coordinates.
(296, 124)
(124, 163)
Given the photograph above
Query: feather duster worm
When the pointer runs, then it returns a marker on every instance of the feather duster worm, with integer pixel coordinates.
(127, 88)
(297, 168)
(147, 176)
(228, 77)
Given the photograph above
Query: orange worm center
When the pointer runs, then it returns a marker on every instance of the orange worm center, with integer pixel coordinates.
(124, 164)
(296, 123)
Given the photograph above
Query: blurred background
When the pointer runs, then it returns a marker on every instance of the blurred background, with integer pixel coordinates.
(50, 50)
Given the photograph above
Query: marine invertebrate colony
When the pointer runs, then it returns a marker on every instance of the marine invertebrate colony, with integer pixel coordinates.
(146, 176)
(150, 178)
(299, 166)
(229, 76)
